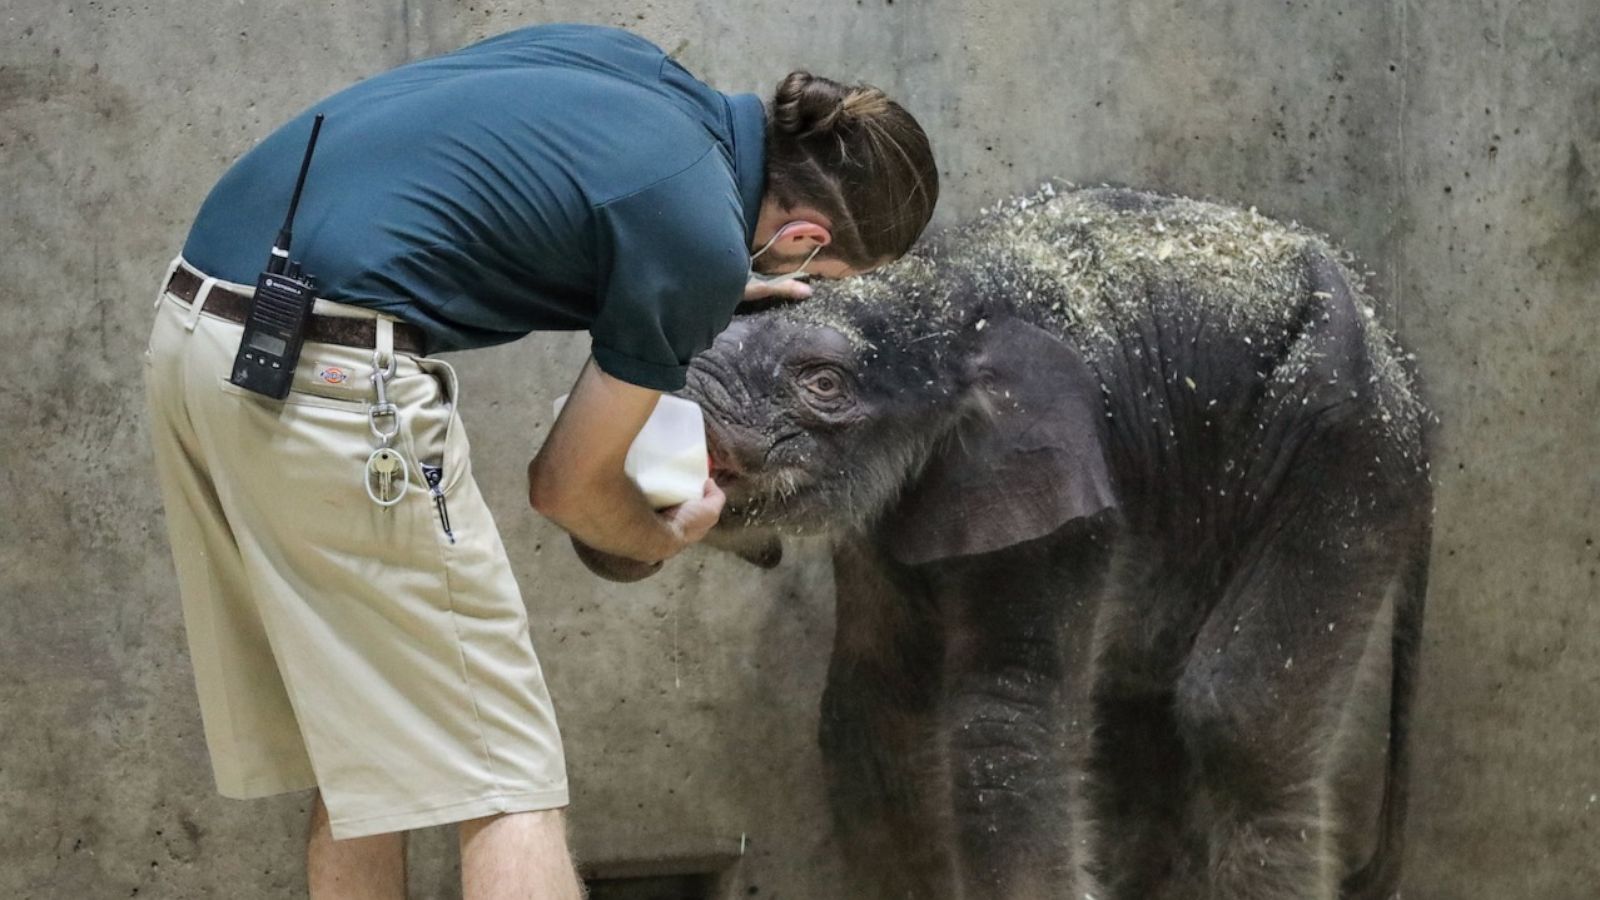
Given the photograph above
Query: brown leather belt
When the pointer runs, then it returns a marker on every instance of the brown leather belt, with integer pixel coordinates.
(235, 307)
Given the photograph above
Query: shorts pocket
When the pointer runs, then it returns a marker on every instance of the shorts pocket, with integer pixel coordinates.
(298, 395)
(435, 431)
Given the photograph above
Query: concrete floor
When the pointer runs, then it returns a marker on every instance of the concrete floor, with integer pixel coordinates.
(1455, 147)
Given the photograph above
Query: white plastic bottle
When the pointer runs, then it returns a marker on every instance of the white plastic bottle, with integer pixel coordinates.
(668, 459)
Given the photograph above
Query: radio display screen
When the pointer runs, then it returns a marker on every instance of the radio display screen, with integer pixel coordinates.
(268, 344)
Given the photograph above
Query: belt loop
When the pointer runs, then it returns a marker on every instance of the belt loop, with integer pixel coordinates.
(166, 280)
(385, 341)
(199, 303)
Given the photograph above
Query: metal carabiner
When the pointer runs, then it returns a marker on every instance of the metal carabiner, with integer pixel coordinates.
(381, 372)
(390, 414)
(383, 409)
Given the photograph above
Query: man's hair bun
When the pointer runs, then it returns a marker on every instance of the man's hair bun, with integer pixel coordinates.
(807, 105)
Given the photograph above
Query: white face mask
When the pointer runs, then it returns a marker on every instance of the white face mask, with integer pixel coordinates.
(800, 272)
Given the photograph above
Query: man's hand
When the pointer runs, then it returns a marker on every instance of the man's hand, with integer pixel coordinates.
(793, 289)
(690, 521)
(693, 519)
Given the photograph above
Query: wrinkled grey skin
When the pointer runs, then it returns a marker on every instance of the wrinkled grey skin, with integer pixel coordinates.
(1130, 553)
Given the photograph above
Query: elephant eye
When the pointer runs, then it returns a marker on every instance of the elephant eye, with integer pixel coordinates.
(824, 383)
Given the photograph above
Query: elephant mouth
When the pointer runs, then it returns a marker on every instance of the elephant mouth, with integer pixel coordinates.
(725, 469)
(758, 493)
(761, 491)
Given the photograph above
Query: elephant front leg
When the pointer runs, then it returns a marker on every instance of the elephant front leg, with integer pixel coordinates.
(880, 756)
(1017, 724)
(1017, 763)
(879, 735)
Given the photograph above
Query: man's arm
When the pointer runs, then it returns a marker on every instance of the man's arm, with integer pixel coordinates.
(577, 481)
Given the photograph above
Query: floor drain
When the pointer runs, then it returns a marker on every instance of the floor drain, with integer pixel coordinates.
(698, 886)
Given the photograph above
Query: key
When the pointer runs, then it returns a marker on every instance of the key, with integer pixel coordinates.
(378, 477)
(385, 463)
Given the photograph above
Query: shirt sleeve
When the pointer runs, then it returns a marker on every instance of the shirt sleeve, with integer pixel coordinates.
(672, 263)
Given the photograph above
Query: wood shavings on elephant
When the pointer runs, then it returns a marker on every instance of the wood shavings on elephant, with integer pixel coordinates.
(1101, 264)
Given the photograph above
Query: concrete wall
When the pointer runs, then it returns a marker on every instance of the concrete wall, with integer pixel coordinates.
(1454, 146)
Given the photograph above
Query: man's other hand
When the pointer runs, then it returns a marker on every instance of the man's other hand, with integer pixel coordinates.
(691, 520)
(792, 289)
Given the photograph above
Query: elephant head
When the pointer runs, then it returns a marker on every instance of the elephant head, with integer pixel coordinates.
(899, 406)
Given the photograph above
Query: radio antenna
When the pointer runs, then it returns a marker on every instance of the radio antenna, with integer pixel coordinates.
(280, 247)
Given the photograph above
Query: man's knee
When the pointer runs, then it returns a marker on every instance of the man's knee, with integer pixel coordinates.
(523, 849)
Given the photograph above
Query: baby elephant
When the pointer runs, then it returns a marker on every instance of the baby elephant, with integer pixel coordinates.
(1130, 520)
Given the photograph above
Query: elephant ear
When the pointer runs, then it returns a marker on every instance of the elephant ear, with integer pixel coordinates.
(1033, 461)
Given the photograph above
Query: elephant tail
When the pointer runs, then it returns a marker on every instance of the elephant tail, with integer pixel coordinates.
(1379, 879)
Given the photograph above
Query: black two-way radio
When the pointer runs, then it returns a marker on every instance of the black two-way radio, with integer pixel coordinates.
(275, 329)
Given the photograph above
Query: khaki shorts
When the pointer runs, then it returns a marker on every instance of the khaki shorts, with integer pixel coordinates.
(336, 643)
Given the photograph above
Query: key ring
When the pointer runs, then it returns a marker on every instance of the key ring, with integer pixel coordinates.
(372, 473)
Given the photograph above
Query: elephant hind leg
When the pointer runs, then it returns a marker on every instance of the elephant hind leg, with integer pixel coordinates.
(1259, 824)
(1379, 877)
(1266, 706)
(1274, 849)
(1136, 791)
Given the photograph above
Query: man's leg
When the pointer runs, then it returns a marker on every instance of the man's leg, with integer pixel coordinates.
(518, 856)
(364, 868)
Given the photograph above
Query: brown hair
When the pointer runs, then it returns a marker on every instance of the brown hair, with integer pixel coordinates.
(855, 156)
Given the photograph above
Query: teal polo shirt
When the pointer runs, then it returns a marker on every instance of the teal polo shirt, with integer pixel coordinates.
(559, 177)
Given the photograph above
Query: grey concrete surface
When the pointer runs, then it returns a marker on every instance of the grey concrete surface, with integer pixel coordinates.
(1455, 147)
